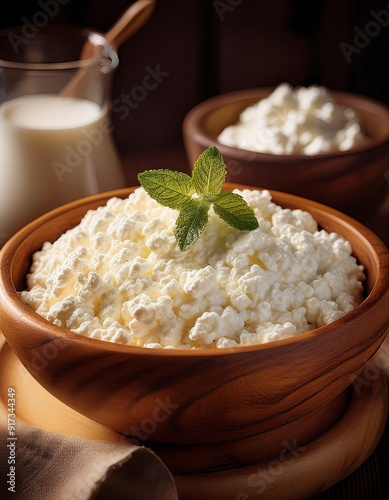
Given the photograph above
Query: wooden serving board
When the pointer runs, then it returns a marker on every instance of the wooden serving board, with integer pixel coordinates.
(297, 474)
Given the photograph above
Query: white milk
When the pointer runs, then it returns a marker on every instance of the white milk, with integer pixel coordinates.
(52, 150)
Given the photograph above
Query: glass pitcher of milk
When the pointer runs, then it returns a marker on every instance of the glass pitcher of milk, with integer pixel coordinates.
(56, 141)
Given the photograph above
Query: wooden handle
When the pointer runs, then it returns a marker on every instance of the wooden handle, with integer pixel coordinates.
(130, 21)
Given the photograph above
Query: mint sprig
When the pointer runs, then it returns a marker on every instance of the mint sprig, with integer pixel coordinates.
(191, 222)
(233, 209)
(176, 190)
(170, 188)
(209, 172)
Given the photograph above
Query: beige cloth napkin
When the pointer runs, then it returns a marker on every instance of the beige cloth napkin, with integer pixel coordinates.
(54, 467)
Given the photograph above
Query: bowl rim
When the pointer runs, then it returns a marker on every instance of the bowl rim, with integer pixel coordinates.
(11, 297)
(199, 111)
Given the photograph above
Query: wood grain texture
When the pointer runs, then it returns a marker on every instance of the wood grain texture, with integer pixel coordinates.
(351, 181)
(311, 469)
(195, 397)
(325, 461)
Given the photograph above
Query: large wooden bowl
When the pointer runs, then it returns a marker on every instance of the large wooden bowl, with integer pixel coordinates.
(351, 181)
(196, 396)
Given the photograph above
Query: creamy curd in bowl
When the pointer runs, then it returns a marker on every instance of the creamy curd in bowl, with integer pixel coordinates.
(119, 276)
(301, 120)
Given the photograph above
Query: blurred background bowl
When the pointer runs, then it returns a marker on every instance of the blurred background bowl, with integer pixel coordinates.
(351, 181)
(198, 397)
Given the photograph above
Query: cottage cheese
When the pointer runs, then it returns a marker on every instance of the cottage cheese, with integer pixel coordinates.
(305, 121)
(119, 276)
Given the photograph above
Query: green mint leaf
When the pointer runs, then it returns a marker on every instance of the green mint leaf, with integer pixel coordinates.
(209, 172)
(169, 187)
(191, 222)
(234, 210)
(175, 190)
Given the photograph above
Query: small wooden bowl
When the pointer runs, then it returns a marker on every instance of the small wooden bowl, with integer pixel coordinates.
(197, 396)
(351, 181)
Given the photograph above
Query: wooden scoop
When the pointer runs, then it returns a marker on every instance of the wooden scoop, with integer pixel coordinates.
(127, 25)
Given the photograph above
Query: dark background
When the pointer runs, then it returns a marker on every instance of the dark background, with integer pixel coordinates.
(210, 47)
